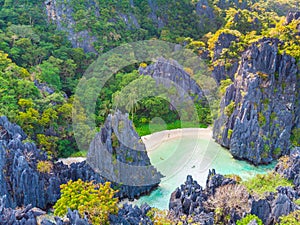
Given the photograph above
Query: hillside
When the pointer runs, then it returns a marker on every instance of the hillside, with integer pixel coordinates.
(249, 48)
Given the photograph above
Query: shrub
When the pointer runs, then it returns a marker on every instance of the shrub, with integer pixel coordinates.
(228, 198)
(143, 65)
(291, 219)
(224, 84)
(295, 137)
(261, 119)
(246, 220)
(262, 183)
(297, 202)
(159, 217)
(44, 166)
(229, 109)
(229, 133)
(96, 201)
(235, 177)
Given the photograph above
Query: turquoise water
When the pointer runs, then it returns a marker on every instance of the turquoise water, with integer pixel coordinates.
(177, 158)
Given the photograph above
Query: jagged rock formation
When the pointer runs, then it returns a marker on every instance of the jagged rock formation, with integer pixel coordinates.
(259, 110)
(24, 216)
(23, 184)
(73, 219)
(190, 199)
(61, 13)
(290, 168)
(170, 73)
(220, 71)
(270, 208)
(119, 154)
(128, 215)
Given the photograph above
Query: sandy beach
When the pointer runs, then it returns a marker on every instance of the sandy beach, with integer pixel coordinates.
(152, 141)
(70, 160)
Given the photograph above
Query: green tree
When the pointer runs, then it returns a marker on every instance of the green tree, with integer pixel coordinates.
(95, 200)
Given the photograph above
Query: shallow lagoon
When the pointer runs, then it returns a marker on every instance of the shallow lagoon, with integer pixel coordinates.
(177, 158)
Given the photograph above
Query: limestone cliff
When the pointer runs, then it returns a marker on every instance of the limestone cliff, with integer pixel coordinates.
(23, 183)
(260, 109)
(119, 154)
(169, 72)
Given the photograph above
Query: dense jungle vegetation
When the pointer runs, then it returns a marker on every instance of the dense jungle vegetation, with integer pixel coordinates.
(39, 68)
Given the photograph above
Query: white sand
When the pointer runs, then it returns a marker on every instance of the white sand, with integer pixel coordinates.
(152, 141)
(70, 160)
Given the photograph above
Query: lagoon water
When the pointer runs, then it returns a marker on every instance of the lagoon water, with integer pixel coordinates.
(182, 156)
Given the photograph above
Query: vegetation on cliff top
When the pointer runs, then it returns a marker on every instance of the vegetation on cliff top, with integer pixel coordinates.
(39, 69)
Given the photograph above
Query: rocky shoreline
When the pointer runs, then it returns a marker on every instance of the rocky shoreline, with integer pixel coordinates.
(192, 201)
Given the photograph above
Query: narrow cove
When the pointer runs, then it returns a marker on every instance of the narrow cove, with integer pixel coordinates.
(182, 152)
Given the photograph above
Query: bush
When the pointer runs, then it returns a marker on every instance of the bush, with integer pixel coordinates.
(227, 199)
(235, 177)
(262, 183)
(159, 217)
(246, 220)
(229, 109)
(291, 219)
(224, 84)
(295, 137)
(44, 166)
(96, 201)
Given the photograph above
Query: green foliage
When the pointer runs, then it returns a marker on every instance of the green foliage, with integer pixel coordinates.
(246, 220)
(263, 183)
(229, 109)
(295, 137)
(297, 202)
(229, 133)
(159, 217)
(224, 84)
(144, 129)
(97, 201)
(44, 166)
(235, 177)
(33, 49)
(261, 119)
(291, 219)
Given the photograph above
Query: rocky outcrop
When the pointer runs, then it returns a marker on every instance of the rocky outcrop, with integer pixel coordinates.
(119, 154)
(61, 14)
(259, 111)
(170, 73)
(129, 214)
(190, 197)
(289, 167)
(23, 184)
(224, 66)
(275, 205)
(73, 218)
(25, 216)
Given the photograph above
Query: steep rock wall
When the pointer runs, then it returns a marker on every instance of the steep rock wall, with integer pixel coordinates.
(23, 184)
(259, 111)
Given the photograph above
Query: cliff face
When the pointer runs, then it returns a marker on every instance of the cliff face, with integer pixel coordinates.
(169, 72)
(260, 109)
(118, 153)
(138, 17)
(22, 183)
(220, 72)
(61, 14)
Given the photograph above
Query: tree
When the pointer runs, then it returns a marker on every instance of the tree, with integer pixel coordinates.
(50, 74)
(95, 200)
